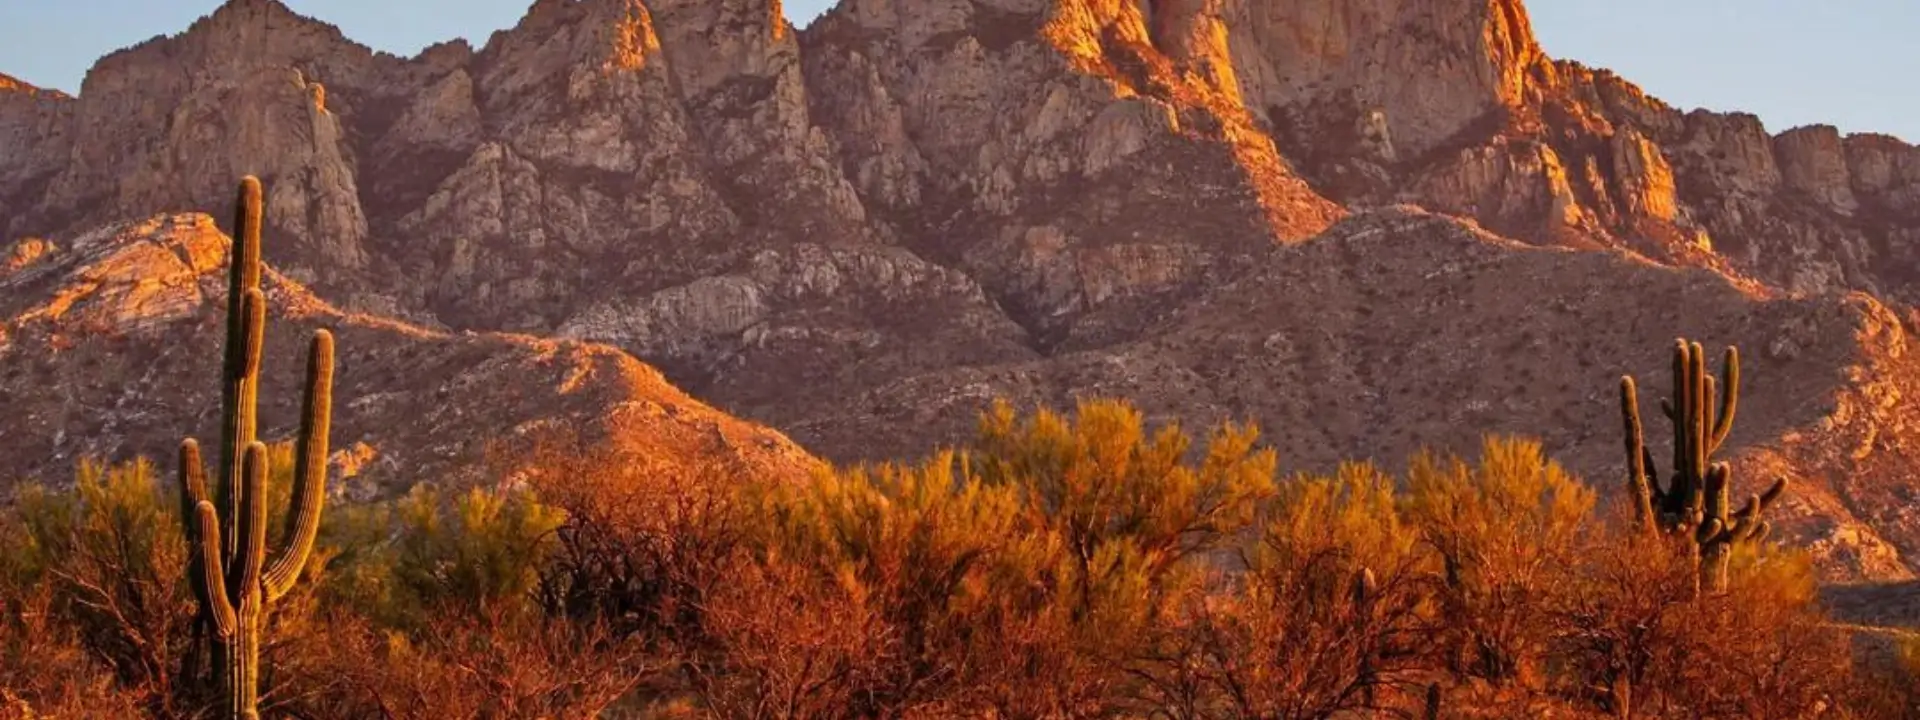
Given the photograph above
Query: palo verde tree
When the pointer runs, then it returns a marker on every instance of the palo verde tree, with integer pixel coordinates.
(227, 543)
(1694, 505)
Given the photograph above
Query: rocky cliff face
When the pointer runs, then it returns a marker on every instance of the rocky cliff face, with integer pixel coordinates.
(34, 140)
(1050, 150)
(1569, 155)
(863, 231)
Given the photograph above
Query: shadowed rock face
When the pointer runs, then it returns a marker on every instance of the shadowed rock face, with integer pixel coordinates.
(861, 232)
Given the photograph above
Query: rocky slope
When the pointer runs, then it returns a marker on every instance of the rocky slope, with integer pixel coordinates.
(861, 232)
(109, 349)
(1399, 330)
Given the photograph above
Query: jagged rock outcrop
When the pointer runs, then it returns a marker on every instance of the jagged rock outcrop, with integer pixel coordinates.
(169, 123)
(102, 354)
(804, 327)
(1050, 151)
(1423, 72)
(601, 154)
(1569, 155)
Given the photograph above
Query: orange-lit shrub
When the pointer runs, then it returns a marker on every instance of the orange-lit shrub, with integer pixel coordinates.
(1329, 615)
(1062, 566)
(1504, 536)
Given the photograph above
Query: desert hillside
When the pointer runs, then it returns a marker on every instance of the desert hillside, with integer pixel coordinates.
(109, 350)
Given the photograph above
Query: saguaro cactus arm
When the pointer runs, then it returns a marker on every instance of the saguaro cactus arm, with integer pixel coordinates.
(1729, 398)
(193, 485)
(310, 474)
(252, 525)
(1746, 524)
(1641, 486)
(211, 573)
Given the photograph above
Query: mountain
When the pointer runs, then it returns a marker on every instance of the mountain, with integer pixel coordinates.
(862, 232)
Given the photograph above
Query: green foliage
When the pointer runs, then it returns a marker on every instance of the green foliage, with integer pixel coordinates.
(110, 505)
(1022, 575)
(1351, 518)
(1111, 490)
(479, 548)
(403, 561)
(103, 559)
(1326, 619)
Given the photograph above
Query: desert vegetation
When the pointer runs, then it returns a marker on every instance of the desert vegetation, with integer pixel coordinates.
(1092, 564)
(1061, 566)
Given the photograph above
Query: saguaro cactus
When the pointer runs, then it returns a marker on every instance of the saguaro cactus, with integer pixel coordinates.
(1694, 505)
(229, 573)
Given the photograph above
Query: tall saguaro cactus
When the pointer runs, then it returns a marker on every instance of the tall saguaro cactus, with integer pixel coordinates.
(228, 572)
(1695, 504)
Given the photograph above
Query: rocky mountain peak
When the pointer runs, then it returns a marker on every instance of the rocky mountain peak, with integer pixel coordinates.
(239, 36)
(10, 85)
(609, 34)
(1431, 70)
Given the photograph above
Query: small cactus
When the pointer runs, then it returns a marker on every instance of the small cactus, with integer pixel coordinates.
(1695, 504)
(228, 551)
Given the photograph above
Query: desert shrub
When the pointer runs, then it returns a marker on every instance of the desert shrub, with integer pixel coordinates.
(640, 545)
(1761, 650)
(1504, 534)
(480, 551)
(1027, 576)
(781, 640)
(1122, 526)
(1104, 485)
(1635, 637)
(436, 611)
(45, 668)
(462, 665)
(907, 561)
(1610, 629)
(1328, 615)
(93, 586)
(1061, 566)
(1892, 689)
(98, 565)
(106, 563)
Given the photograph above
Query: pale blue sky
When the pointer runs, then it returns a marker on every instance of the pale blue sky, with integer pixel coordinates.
(1792, 62)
